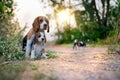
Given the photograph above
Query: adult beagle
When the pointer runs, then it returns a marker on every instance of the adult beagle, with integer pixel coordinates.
(40, 24)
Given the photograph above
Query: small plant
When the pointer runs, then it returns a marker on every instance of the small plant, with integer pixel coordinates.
(46, 76)
(33, 67)
(51, 54)
(10, 48)
(114, 49)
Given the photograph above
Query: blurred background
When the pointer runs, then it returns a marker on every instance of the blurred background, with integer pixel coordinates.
(71, 19)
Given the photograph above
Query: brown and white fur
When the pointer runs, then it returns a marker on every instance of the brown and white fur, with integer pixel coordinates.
(38, 47)
(77, 44)
(40, 24)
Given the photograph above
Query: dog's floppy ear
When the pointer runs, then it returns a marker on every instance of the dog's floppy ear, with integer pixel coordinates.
(36, 24)
(47, 24)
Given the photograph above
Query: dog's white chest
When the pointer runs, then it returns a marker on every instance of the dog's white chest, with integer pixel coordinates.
(38, 48)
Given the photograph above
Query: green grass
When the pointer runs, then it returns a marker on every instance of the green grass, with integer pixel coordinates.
(46, 76)
(51, 54)
(67, 45)
(33, 67)
(12, 70)
(92, 44)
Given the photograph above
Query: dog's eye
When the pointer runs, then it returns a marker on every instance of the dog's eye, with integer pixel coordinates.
(41, 20)
(39, 36)
(46, 21)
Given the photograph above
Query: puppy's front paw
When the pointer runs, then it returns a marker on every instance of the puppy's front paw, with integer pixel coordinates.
(44, 56)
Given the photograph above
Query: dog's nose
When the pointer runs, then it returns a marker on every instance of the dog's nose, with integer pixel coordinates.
(42, 39)
(45, 25)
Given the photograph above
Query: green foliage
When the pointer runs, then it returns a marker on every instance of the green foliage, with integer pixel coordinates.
(69, 34)
(10, 41)
(1, 7)
(92, 24)
(89, 8)
(44, 76)
(10, 48)
(86, 30)
(51, 54)
(10, 36)
(6, 9)
(32, 66)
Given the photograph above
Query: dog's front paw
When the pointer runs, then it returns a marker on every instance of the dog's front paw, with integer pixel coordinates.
(44, 56)
(32, 55)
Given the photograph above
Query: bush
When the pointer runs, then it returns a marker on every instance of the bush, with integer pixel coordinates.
(10, 48)
(69, 35)
(10, 36)
(10, 41)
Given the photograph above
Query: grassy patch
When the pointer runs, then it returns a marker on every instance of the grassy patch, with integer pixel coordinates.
(33, 67)
(113, 49)
(91, 44)
(12, 71)
(51, 54)
(46, 76)
(67, 45)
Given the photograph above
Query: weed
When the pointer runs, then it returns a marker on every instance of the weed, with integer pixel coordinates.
(33, 67)
(45, 76)
(51, 54)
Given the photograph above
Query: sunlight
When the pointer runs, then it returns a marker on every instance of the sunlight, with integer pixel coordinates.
(64, 16)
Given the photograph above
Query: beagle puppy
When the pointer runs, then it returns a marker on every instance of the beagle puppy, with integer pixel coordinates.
(78, 44)
(40, 24)
(38, 47)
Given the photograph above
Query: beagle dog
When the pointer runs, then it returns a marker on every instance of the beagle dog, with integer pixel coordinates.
(78, 44)
(38, 49)
(40, 24)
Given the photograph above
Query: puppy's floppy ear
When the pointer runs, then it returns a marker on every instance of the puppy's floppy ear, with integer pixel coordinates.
(36, 24)
(48, 27)
(45, 39)
(35, 39)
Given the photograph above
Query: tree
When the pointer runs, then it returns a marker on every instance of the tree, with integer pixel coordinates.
(7, 27)
(94, 13)
(101, 12)
(6, 9)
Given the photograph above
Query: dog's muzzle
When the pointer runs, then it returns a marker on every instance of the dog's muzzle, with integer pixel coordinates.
(45, 26)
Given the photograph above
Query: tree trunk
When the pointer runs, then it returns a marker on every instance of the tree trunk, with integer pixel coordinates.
(97, 14)
(107, 13)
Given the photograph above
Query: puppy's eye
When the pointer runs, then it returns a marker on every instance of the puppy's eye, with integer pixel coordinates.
(39, 36)
(41, 20)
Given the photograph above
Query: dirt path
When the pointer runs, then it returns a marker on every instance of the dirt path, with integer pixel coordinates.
(90, 63)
